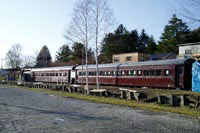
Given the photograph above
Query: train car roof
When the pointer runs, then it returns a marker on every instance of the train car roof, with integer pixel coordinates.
(158, 62)
(61, 68)
(100, 66)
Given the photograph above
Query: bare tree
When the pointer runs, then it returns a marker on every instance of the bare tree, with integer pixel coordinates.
(80, 27)
(29, 61)
(103, 20)
(190, 9)
(13, 56)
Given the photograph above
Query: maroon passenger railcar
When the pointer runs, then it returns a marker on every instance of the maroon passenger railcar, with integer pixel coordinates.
(174, 73)
(107, 74)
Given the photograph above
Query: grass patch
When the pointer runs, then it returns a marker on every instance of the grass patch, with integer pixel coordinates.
(114, 101)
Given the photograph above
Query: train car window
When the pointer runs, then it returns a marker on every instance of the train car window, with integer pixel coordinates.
(158, 72)
(123, 73)
(152, 73)
(56, 74)
(100, 73)
(134, 73)
(130, 73)
(60, 74)
(109, 73)
(80, 73)
(105, 73)
(119, 73)
(92, 73)
(167, 72)
(114, 73)
(84, 73)
(139, 72)
(146, 73)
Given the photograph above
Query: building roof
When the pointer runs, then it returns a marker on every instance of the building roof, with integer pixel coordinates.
(60, 68)
(187, 44)
(93, 66)
(162, 56)
(160, 62)
(144, 63)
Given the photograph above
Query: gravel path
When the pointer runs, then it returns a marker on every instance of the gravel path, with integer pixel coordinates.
(26, 111)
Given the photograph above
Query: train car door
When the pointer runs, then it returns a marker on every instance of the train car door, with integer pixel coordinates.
(73, 76)
(69, 76)
(179, 76)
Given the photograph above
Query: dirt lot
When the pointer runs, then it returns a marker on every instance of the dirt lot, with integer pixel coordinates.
(27, 111)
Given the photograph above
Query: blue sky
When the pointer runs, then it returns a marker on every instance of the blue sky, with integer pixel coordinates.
(34, 23)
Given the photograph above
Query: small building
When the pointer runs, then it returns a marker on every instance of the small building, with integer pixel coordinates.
(189, 50)
(13, 74)
(128, 57)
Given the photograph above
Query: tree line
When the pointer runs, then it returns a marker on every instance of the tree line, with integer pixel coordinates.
(91, 21)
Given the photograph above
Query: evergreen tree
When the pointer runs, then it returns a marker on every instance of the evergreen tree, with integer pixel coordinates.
(121, 41)
(63, 54)
(152, 47)
(176, 32)
(195, 35)
(44, 57)
(143, 42)
(78, 53)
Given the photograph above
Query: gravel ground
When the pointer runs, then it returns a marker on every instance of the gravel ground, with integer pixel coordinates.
(26, 111)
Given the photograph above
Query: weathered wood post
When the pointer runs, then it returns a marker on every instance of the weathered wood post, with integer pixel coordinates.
(129, 95)
(171, 100)
(182, 100)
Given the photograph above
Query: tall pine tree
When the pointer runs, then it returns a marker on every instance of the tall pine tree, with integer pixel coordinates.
(44, 57)
(63, 54)
(176, 32)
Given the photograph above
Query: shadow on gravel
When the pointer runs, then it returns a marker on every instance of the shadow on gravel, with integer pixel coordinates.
(72, 115)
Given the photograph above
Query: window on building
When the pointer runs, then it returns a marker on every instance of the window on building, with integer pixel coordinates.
(188, 51)
(116, 59)
(129, 58)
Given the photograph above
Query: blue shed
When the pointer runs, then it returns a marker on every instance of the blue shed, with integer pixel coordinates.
(196, 77)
